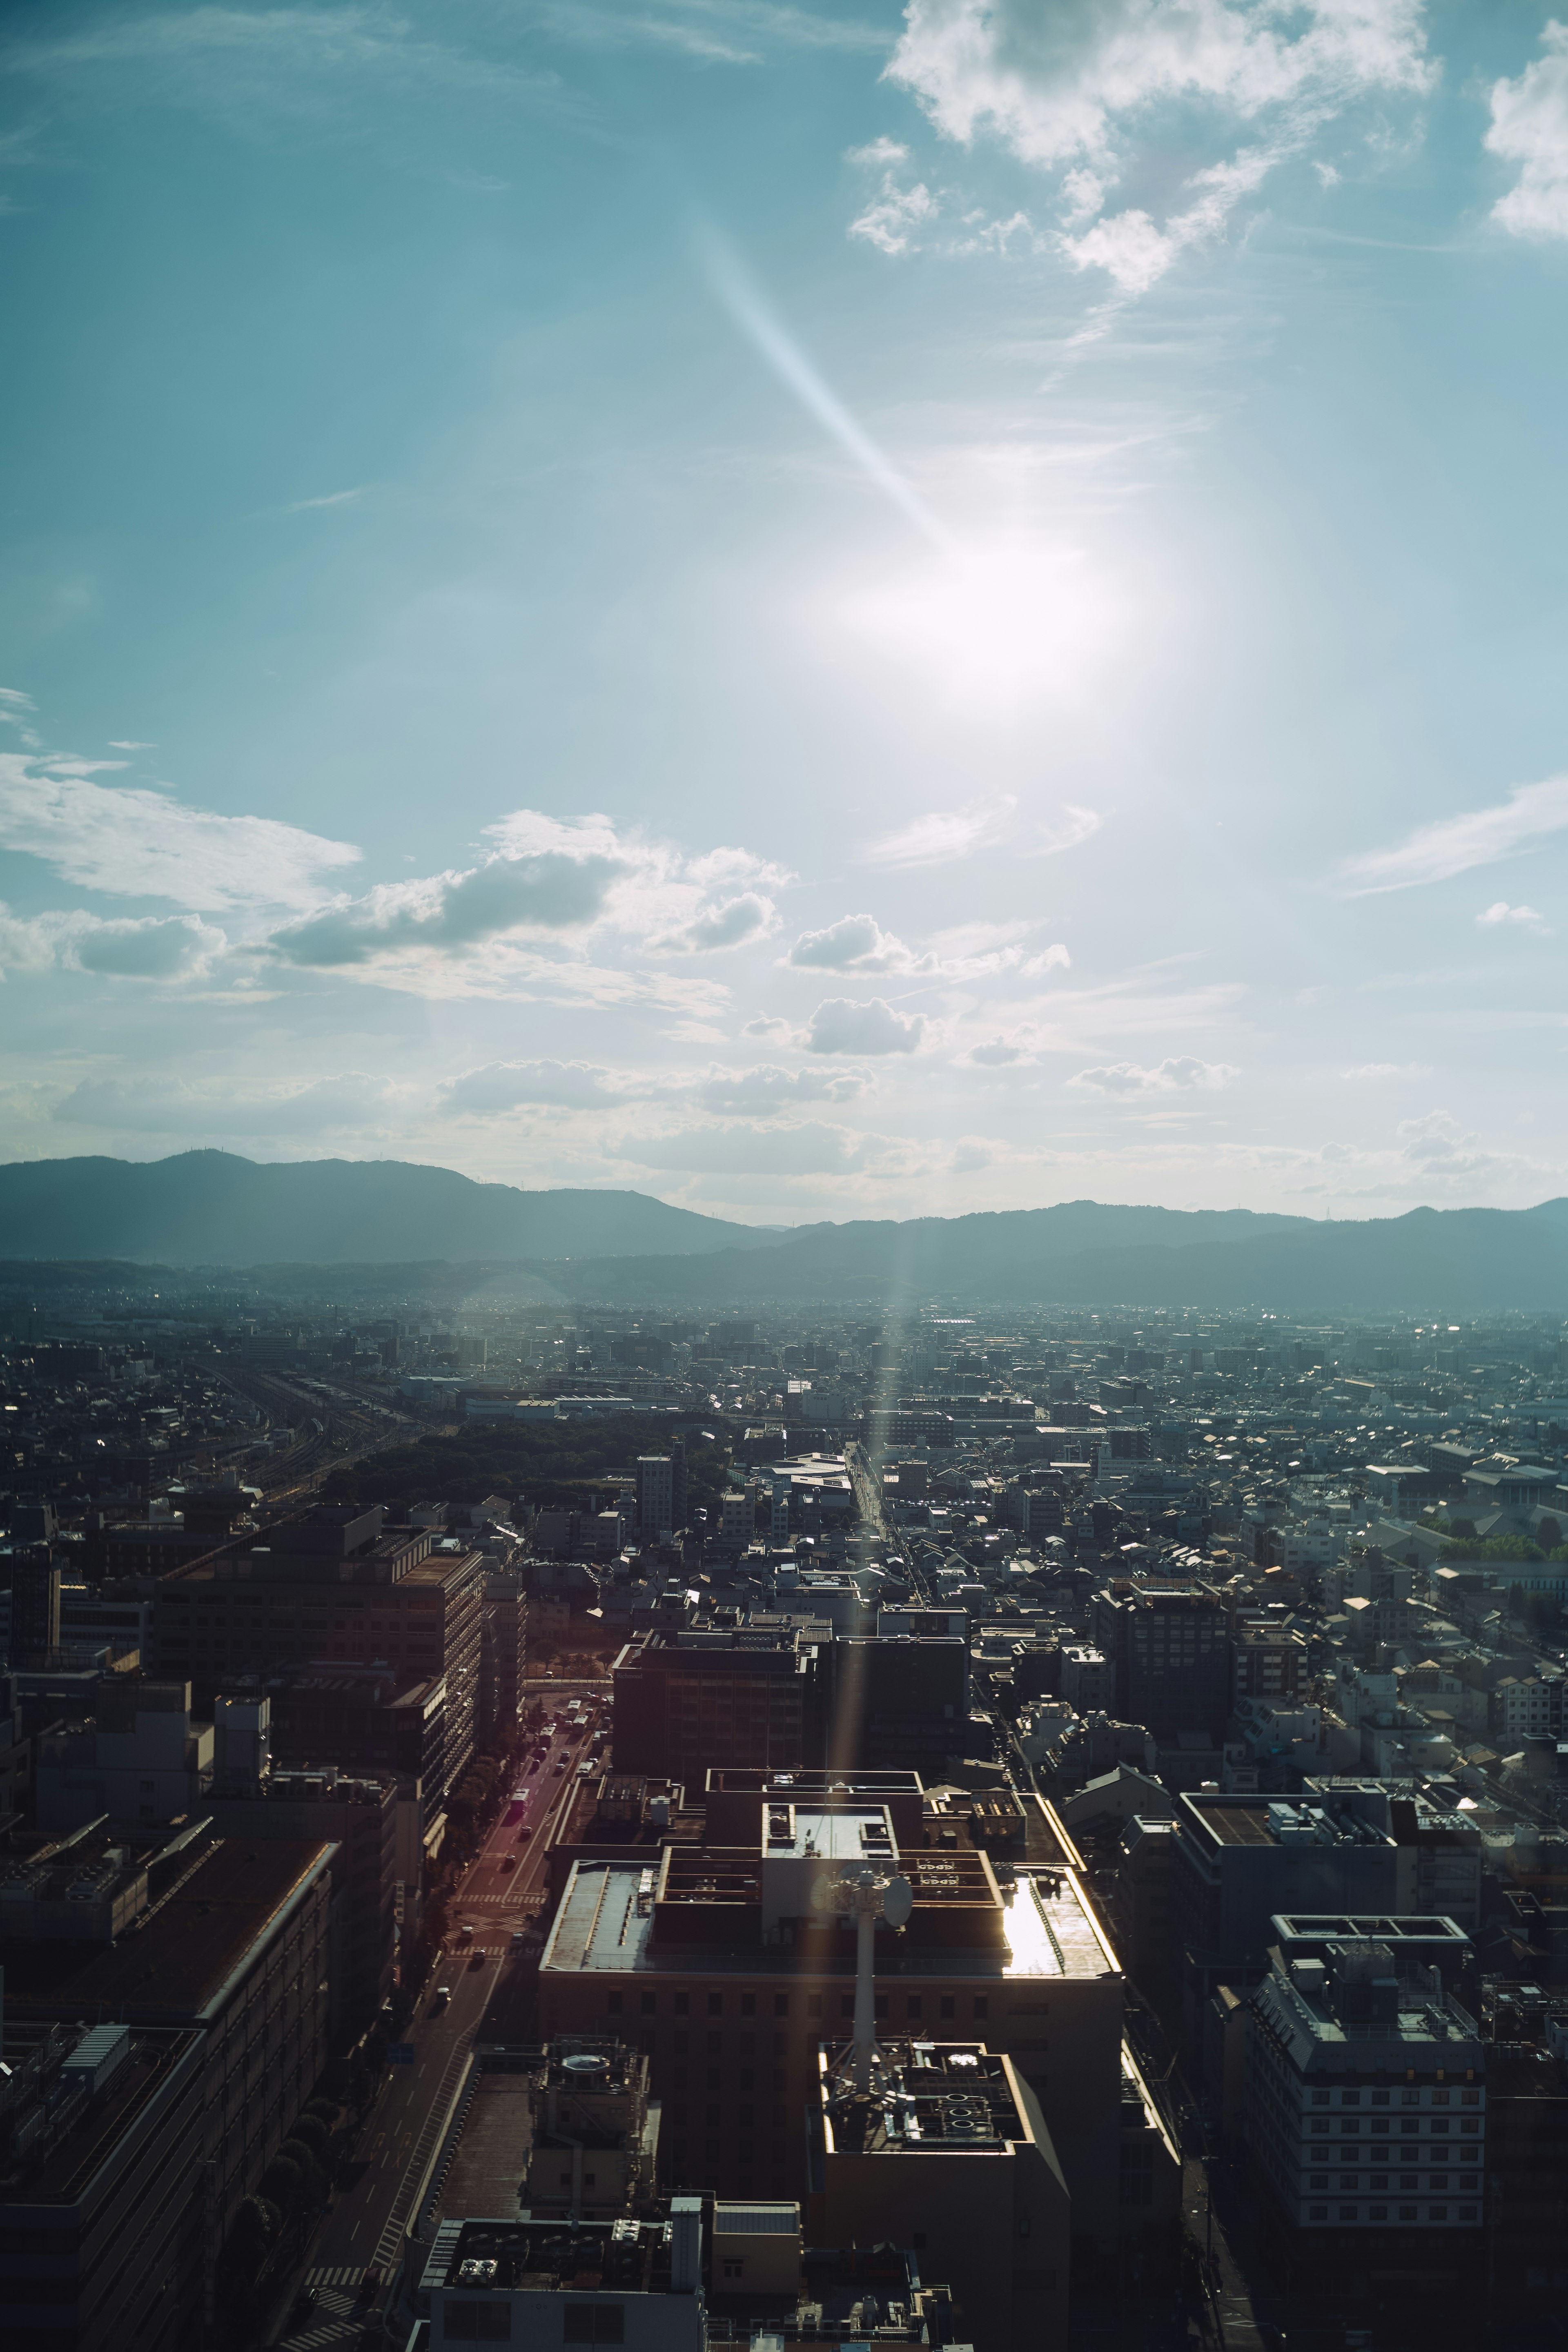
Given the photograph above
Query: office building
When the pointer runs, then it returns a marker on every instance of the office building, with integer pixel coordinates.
(714, 1957)
(687, 1700)
(229, 1936)
(137, 1758)
(950, 2154)
(103, 2228)
(1169, 1647)
(656, 1497)
(629, 2283)
(897, 1703)
(1367, 2101)
(329, 1589)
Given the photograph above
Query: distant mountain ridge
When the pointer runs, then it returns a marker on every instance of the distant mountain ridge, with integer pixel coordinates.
(212, 1208)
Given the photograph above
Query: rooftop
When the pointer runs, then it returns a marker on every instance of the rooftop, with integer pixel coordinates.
(624, 2257)
(605, 1923)
(227, 1895)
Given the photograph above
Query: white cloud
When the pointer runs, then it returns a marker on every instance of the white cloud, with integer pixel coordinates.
(766, 1024)
(1530, 128)
(947, 834)
(152, 946)
(766, 1091)
(1179, 1074)
(122, 746)
(141, 845)
(1440, 1147)
(1453, 844)
(1523, 917)
(447, 913)
(727, 925)
(173, 1107)
(839, 1026)
(997, 1054)
(897, 209)
(511, 1086)
(853, 943)
(1390, 1070)
(1094, 89)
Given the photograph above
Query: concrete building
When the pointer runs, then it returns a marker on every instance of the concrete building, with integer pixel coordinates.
(232, 1939)
(593, 2142)
(656, 1497)
(629, 2283)
(1366, 2104)
(687, 1700)
(951, 2154)
(103, 2228)
(716, 1959)
(1169, 1645)
(334, 1589)
(1088, 1679)
(503, 1653)
(137, 1758)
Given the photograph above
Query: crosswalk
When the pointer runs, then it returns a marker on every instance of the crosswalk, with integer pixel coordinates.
(337, 2318)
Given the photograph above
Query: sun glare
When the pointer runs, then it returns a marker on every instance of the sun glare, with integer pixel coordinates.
(992, 623)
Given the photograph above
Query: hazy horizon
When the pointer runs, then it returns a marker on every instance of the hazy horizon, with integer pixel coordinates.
(811, 613)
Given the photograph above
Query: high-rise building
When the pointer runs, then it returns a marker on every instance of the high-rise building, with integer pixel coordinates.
(656, 1497)
(1169, 1645)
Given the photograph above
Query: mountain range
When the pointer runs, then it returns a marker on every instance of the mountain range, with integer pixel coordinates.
(215, 1209)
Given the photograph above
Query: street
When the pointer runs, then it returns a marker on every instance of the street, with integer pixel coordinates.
(490, 1998)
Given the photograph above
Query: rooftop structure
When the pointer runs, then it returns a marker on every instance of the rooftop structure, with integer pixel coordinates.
(1365, 2095)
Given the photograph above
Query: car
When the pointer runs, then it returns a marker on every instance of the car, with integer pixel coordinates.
(369, 2286)
(443, 1995)
(477, 1962)
(559, 1768)
(466, 1932)
(509, 1861)
(524, 1834)
(304, 2305)
(533, 1767)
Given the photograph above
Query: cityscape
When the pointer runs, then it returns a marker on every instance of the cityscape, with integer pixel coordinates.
(784, 1175)
(948, 1828)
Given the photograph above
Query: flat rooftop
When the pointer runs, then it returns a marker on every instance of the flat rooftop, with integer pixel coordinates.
(157, 2055)
(604, 1924)
(178, 1963)
(624, 2257)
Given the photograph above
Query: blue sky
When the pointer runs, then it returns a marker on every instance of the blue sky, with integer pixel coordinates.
(822, 612)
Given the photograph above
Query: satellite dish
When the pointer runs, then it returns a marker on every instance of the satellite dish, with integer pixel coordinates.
(898, 1901)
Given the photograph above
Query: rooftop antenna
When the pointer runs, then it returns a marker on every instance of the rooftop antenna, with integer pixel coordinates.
(868, 1895)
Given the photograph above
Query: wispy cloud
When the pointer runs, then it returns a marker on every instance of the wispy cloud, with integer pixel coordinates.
(142, 845)
(173, 1107)
(329, 498)
(948, 834)
(1453, 844)
(518, 1086)
(710, 32)
(1180, 1073)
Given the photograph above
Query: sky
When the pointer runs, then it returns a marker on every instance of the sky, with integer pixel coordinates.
(821, 610)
